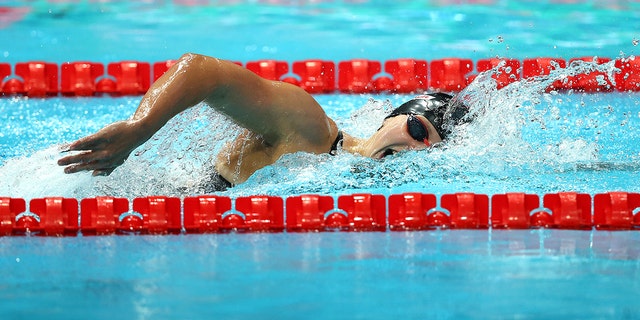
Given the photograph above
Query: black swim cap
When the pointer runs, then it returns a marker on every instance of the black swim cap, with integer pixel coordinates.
(437, 108)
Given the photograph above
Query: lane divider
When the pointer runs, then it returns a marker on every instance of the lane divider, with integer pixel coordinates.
(57, 216)
(84, 78)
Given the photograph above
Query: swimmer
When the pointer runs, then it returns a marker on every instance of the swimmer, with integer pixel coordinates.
(278, 118)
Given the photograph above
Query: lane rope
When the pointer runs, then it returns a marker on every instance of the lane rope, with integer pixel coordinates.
(357, 76)
(58, 216)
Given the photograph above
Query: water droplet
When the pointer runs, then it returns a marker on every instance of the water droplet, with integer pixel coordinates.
(635, 42)
(500, 39)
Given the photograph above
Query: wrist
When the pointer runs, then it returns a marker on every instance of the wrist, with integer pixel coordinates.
(140, 130)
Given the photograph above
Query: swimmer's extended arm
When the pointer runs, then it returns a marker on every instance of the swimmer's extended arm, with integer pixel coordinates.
(279, 112)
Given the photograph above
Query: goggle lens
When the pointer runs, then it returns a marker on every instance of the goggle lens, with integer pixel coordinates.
(417, 129)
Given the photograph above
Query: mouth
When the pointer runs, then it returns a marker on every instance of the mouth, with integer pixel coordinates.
(382, 153)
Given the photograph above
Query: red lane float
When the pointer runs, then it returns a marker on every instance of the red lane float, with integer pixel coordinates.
(467, 210)
(34, 79)
(129, 78)
(79, 78)
(40, 79)
(261, 213)
(533, 67)
(450, 74)
(10, 208)
(513, 210)
(410, 211)
(507, 71)
(316, 76)
(269, 69)
(570, 210)
(203, 214)
(615, 210)
(312, 213)
(407, 76)
(57, 216)
(365, 212)
(101, 215)
(5, 72)
(356, 76)
(628, 79)
(160, 215)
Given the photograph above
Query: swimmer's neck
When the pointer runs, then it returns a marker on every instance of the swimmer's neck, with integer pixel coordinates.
(352, 144)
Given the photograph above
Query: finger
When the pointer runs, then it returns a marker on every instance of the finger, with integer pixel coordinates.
(85, 167)
(67, 160)
(84, 157)
(86, 143)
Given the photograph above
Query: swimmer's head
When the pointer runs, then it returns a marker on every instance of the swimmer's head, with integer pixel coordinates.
(439, 108)
(416, 124)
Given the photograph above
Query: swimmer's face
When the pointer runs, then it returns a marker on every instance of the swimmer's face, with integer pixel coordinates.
(400, 133)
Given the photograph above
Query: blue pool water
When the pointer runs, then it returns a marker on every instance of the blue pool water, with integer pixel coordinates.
(523, 141)
(590, 144)
(467, 274)
(107, 31)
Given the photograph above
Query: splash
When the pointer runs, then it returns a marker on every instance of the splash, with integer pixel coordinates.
(175, 161)
(502, 117)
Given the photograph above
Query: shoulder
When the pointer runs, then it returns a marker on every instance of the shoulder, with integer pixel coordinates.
(305, 123)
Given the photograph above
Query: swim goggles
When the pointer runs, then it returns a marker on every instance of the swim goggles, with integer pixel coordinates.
(417, 130)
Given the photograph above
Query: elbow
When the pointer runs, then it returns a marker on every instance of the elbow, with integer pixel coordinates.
(189, 59)
(199, 67)
(198, 63)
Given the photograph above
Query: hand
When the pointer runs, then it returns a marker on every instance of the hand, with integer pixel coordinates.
(103, 151)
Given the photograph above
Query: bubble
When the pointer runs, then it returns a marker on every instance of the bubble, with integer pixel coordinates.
(635, 42)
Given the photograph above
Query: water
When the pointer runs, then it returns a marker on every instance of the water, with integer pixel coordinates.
(521, 140)
(446, 274)
(379, 30)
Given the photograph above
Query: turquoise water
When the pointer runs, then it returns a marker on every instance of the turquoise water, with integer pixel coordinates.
(331, 30)
(584, 143)
(553, 274)
(523, 140)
